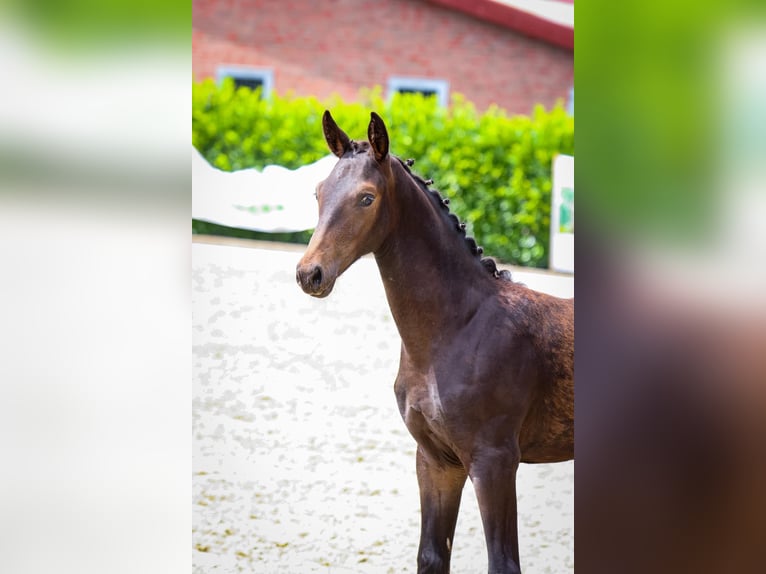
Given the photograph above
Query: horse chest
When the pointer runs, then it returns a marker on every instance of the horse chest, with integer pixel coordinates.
(422, 408)
(423, 400)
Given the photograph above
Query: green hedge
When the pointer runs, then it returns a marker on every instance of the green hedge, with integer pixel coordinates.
(495, 169)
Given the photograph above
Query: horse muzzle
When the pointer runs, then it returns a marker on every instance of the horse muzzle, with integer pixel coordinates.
(314, 279)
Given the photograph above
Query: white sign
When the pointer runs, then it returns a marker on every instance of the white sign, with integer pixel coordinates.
(562, 215)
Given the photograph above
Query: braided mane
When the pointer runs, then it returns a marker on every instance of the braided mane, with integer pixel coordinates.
(489, 264)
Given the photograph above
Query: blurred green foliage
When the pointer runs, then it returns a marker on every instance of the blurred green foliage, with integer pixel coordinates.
(652, 86)
(495, 169)
(95, 24)
(208, 228)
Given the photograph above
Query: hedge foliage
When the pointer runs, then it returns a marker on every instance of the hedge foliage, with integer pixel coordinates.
(495, 169)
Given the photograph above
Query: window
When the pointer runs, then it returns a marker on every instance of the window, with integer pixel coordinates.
(252, 78)
(437, 88)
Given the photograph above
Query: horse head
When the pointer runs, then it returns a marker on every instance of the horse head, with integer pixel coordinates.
(354, 206)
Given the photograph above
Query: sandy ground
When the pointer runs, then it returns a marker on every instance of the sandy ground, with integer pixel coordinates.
(301, 462)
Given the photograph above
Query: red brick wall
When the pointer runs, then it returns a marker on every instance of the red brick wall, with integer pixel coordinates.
(321, 47)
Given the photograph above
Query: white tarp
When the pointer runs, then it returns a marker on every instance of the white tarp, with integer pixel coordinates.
(274, 200)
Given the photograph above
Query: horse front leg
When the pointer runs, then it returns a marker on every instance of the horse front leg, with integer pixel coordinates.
(493, 474)
(441, 486)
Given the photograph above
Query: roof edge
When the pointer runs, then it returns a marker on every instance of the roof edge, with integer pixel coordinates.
(514, 19)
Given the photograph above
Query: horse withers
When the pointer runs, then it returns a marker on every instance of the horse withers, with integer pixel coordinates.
(485, 375)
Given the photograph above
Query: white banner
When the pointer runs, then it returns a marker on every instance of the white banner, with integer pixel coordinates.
(274, 200)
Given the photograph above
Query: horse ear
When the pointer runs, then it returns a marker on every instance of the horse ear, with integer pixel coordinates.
(378, 136)
(335, 137)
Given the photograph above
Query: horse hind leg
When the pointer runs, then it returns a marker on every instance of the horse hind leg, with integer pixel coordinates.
(494, 480)
(441, 486)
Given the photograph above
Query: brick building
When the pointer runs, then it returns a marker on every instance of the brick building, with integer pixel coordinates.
(492, 51)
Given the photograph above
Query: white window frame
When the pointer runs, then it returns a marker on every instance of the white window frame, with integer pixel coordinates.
(265, 75)
(439, 87)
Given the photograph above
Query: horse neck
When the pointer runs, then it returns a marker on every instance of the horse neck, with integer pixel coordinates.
(433, 283)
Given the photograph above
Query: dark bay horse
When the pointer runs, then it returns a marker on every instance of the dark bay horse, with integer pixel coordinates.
(486, 369)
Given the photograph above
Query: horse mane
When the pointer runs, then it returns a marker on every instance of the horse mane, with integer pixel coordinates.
(443, 203)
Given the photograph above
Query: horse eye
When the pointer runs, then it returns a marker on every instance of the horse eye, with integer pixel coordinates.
(366, 200)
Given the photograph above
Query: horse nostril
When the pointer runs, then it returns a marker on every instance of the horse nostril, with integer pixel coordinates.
(316, 277)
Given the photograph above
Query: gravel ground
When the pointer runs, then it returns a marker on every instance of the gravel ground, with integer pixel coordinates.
(301, 462)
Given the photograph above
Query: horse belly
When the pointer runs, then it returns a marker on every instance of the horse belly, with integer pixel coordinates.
(547, 434)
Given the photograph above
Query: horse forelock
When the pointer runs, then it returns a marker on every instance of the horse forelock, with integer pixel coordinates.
(359, 147)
